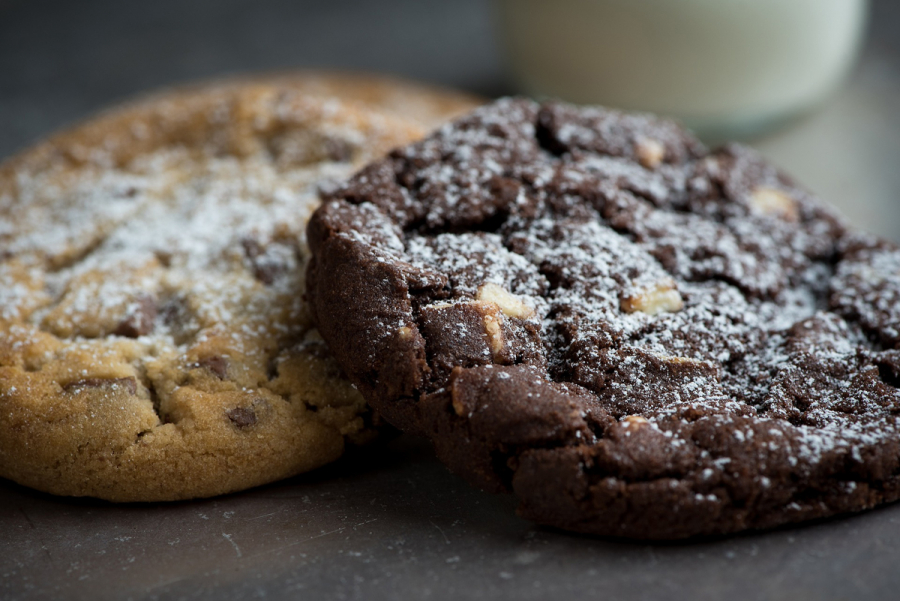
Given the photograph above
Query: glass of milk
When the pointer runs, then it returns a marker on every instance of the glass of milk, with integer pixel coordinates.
(726, 68)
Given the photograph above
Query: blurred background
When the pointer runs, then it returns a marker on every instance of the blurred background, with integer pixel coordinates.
(60, 61)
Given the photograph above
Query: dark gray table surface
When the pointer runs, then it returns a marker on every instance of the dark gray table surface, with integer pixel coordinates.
(395, 524)
(392, 522)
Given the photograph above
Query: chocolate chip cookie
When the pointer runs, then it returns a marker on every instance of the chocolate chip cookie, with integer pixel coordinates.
(637, 336)
(153, 340)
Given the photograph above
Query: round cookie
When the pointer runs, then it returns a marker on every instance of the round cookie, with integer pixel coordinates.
(154, 344)
(428, 106)
(635, 335)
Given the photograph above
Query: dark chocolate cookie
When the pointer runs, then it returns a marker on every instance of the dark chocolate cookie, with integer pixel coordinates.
(637, 336)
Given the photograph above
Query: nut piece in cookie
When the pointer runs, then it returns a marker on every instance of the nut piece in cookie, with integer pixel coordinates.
(771, 201)
(508, 303)
(659, 298)
(649, 152)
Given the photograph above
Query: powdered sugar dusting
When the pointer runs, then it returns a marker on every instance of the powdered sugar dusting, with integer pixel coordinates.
(761, 323)
(179, 242)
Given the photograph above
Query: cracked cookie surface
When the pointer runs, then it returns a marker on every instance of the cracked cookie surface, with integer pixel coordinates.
(635, 335)
(154, 344)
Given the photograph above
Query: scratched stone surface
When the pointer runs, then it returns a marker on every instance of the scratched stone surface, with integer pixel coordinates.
(395, 524)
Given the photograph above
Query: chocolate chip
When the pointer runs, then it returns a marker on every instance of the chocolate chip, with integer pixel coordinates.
(337, 150)
(266, 266)
(272, 368)
(129, 384)
(139, 319)
(173, 312)
(217, 365)
(164, 257)
(252, 248)
(267, 273)
(242, 417)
